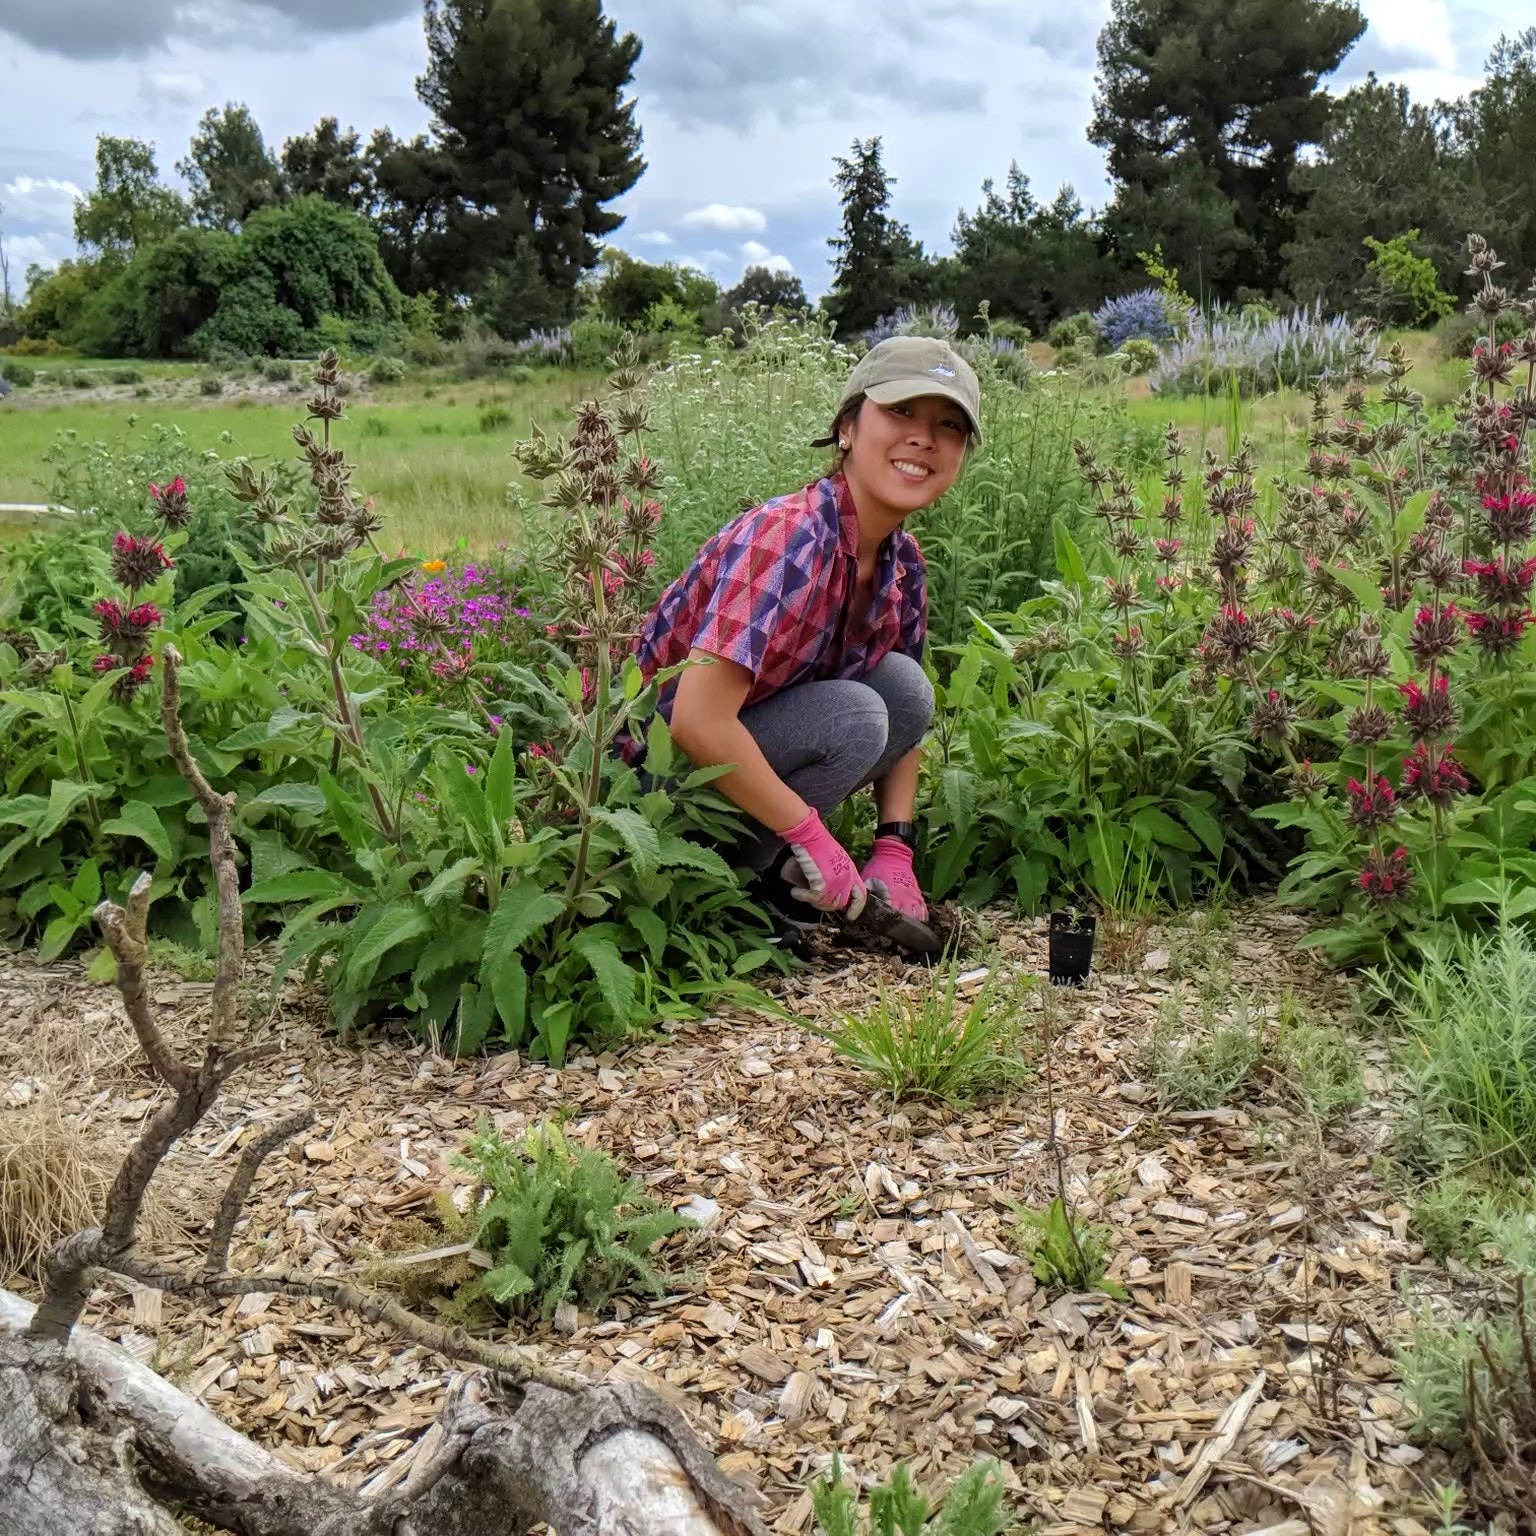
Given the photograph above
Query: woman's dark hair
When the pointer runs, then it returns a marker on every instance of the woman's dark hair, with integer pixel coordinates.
(848, 414)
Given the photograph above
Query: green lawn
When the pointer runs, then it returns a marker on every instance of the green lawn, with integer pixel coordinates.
(439, 468)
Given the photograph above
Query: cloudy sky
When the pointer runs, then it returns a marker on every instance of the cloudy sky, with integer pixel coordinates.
(743, 102)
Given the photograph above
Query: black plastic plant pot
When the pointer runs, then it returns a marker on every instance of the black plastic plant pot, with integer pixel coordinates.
(1071, 948)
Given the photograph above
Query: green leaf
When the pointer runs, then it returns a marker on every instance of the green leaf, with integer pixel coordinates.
(56, 937)
(1366, 591)
(301, 885)
(508, 983)
(450, 882)
(63, 796)
(86, 886)
(475, 1014)
(136, 819)
(1162, 828)
(678, 853)
(345, 813)
(501, 781)
(651, 929)
(292, 797)
(461, 797)
(1069, 559)
(520, 913)
(615, 980)
(638, 835)
(660, 755)
(399, 923)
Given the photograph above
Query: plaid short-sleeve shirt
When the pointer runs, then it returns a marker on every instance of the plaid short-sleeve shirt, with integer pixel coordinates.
(773, 591)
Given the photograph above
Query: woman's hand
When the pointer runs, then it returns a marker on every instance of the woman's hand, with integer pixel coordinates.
(889, 874)
(819, 869)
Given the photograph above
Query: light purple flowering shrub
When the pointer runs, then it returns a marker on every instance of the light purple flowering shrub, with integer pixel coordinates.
(1255, 354)
(1143, 315)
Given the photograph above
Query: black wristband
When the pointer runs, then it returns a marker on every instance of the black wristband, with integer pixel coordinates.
(905, 830)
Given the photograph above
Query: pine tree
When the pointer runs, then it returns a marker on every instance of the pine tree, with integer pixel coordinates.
(1204, 107)
(328, 163)
(533, 124)
(229, 169)
(878, 265)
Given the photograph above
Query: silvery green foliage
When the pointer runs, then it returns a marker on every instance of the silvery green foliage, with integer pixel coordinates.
(1257, 355)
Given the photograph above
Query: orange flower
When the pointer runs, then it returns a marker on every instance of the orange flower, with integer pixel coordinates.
(432, 567)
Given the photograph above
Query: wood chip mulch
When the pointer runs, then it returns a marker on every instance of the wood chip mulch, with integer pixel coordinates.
(852, 1287)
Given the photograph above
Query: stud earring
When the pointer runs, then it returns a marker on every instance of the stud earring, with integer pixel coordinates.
(842, 444)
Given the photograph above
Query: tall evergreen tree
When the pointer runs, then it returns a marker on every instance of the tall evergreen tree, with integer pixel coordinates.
(328, 163)
(229, 168)
(878, 266)
(1029, 262)
(1204, 107)
(1385, 166)
(128, 208)
(530, 113)
(1494, 137)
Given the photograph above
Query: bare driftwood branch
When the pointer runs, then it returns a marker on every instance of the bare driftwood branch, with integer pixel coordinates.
(90, 1440)
(370, 1305)
(240, 1185)
(221, 846)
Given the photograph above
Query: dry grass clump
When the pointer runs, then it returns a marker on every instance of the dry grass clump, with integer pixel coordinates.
(54, 1176)
(56, 1165)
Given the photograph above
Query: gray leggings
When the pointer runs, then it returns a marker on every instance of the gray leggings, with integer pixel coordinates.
(828, 739)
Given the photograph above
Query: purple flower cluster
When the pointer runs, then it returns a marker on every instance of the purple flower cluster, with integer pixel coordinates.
(439, 627)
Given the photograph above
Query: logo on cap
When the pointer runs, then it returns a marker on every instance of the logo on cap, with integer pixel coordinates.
(942, 371)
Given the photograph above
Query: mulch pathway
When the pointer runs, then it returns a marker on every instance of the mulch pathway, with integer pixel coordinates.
(853, 1287)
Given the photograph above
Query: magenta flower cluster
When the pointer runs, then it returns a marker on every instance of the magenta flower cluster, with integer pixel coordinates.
(438, 627)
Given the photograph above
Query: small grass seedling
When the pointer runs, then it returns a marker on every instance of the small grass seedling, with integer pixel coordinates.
(938, 1045)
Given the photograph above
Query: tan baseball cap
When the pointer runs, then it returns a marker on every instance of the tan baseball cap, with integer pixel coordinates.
(908, 367)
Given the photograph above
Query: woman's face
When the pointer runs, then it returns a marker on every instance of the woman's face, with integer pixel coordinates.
(904, 457)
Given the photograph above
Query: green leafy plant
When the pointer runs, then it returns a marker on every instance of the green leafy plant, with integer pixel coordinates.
(1064, 1252)
(938, 1045)
(1468, 1011)
(972, 1505)
(560, 1222)
(538, 891)
(1233, 1050)
(1401, 286)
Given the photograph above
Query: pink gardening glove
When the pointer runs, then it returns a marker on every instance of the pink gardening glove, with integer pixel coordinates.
(889, 873)
(819, 869)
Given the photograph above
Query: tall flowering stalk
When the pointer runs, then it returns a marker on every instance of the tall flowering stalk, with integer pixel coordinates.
(601, 485)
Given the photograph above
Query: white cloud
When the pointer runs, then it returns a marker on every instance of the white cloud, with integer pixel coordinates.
(656, 237)
(756, 254)
(725, 216)
(41, 198)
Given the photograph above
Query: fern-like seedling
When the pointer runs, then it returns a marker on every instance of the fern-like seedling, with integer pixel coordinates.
(560, 1222)
(973, 1506)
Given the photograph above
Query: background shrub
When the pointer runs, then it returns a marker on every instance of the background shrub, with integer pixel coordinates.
(1145, 315)
(19, 373)
(1223, 352)
(210, 384)
(1071, 329)
(387, 370)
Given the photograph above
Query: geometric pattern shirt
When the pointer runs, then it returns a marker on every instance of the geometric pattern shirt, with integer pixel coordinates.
(773, 591)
